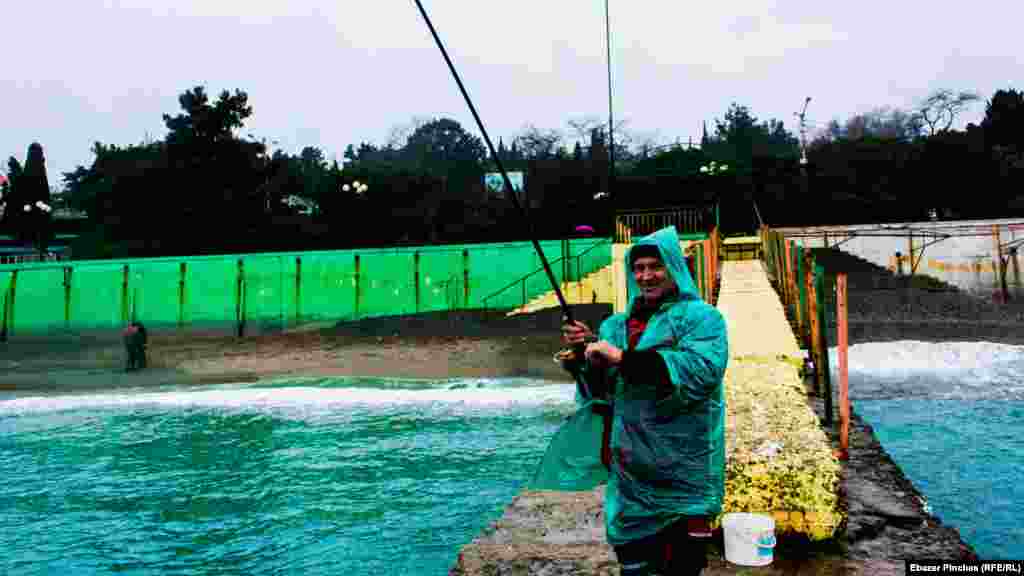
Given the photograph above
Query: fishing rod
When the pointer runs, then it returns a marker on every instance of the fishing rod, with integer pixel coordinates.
(567, 316)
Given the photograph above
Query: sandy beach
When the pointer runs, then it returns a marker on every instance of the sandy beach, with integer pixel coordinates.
(433, 345)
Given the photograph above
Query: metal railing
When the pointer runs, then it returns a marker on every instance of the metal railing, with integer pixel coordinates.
(18, 258)
(522, 281)
(688, 219)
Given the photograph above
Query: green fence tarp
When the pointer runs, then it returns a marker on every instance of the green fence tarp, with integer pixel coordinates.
(283, 289)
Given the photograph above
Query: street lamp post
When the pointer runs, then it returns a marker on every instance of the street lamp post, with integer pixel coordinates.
(611, 125)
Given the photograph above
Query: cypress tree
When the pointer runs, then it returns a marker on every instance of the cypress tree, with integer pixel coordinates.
(12, 209)
(33, 186)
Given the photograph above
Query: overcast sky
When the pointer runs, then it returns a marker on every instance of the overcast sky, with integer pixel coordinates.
(328, 74)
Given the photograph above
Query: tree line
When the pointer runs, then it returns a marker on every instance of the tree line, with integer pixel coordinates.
(204, 189)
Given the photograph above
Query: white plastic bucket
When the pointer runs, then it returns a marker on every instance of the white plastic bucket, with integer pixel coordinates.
(749, 538)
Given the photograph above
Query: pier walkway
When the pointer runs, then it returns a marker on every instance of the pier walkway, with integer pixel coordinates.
(753, 313)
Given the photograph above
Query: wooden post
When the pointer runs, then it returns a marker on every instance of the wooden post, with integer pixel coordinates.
(844, 391)
(416, 278)
(773, 252)
(298, 290)
(788, 271)
(788, 275)
(1016, 266)
(240, 298)
(465, 279)
(358, 288)
(1000, 264)
(777, 258)
(823, 288)
(812, 319)
(8, 323)
(707, 268)
(801, 280)
(700, 271)
(910, 243)
(704, 270)
(699, 255)
(182, 275)
(796, 290)
(718, 254)
(713, 268)
(780, 269)
(125, 303)
(68, 270)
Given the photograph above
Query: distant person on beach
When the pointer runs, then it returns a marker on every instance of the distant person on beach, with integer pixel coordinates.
(654, 379)
(135, 346)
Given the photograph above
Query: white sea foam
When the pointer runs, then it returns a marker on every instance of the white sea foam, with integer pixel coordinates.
(877, 370)
(967, 370)
(294, 398)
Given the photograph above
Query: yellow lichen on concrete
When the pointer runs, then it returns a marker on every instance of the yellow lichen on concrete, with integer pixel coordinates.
(778, 460)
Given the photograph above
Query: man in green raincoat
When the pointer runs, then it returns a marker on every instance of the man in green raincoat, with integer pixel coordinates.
(651, 416)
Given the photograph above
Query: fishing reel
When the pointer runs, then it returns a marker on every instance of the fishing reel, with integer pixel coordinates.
(575, 353)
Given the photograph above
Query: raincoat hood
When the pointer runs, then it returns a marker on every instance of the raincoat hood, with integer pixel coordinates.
(666, 241)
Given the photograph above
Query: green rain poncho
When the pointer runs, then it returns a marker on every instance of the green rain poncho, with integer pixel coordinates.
(668, 452)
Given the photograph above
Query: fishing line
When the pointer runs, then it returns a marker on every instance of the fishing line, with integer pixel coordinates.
(567, 316)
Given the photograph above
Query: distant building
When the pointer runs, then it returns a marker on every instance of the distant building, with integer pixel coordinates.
(303, 206)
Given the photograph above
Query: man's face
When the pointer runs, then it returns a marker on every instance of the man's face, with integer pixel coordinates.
(652, 277)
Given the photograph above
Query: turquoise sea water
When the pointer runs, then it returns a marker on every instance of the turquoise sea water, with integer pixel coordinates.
(967, 458)
(305, 477)
(387, 477)
(951, 415)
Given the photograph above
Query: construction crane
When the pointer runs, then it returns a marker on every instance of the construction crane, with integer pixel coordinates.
(803, 132)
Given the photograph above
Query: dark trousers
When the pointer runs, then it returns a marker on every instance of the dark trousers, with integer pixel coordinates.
(671, 552)
(136, 357)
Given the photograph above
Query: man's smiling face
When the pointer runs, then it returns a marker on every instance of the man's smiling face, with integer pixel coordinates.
(652, 277)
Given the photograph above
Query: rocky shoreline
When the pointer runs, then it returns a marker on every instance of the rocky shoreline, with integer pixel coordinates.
(888, 518)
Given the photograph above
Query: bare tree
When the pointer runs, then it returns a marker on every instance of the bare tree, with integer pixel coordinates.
(940, 109)
(884, 122)
(856, 127)
(887, 123)
(534, 142)
(824, 135)
(399, 134)
(645, 143)
(582, 128)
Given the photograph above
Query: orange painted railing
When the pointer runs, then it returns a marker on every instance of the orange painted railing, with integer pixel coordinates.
(779, 257)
